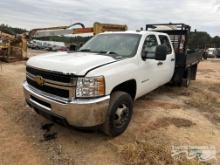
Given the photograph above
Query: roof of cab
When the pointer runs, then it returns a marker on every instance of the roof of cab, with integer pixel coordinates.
(143, 32)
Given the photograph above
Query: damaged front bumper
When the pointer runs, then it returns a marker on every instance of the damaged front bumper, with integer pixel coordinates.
(79, 113)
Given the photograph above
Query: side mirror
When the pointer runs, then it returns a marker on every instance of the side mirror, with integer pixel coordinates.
(144, 55)
(161, 53)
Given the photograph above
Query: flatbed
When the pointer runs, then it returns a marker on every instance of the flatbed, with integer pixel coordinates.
(186, 60)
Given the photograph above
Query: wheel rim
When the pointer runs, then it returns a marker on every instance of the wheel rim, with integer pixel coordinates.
(121, 116)
(187, 82)
(188, 78)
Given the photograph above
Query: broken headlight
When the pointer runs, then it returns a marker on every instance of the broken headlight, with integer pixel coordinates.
(90, 87)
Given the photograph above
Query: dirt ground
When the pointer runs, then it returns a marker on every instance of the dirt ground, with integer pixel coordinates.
(165, 117)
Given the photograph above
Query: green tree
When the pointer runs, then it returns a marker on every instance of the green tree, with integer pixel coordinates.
(199, 40)
(75, 40)
(11, 30)
(216, 41)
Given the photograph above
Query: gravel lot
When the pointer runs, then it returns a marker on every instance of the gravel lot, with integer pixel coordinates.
(165, 117)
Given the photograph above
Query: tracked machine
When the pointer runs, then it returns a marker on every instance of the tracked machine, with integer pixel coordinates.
(13, 47)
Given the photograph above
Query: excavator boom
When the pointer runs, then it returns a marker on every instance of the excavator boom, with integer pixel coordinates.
(65, 30)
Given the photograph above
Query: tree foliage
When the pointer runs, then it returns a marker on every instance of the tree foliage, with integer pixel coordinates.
(216, 41)
(202, 40)
(11, 30)
(76, 40)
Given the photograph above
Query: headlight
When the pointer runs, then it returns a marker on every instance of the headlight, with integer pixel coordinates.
(90, 87)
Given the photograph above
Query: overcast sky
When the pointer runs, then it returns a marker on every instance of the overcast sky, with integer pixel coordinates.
(204, 15)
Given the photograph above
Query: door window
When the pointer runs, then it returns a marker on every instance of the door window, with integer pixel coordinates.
(150, 45)
(165, 41)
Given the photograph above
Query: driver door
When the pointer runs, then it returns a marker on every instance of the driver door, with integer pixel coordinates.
(150, 73)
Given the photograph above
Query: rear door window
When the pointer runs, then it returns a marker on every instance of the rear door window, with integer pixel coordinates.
(165, 41)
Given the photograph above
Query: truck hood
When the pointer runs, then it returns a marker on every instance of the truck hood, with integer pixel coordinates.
(77, 63)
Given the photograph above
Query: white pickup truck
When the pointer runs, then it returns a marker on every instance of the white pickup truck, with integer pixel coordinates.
(97, 85)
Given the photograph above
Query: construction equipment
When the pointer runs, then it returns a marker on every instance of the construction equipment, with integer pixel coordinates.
(65, 30)
(13, 47)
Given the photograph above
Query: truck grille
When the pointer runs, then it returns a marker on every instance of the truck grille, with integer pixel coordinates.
(55, 76)
(54, 83)
(48, 89)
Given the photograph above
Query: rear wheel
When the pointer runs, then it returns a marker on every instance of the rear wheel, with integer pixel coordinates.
(119, 114)
(186, 81)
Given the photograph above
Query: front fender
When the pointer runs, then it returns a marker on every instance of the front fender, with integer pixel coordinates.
(117, 73)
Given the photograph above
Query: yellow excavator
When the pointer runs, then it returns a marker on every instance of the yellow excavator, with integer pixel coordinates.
(66, 30)
(13, 47)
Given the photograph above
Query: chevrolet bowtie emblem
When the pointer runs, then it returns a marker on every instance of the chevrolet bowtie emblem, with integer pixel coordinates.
(39, 80)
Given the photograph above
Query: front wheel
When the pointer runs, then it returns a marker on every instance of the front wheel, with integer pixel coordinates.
(119, 114)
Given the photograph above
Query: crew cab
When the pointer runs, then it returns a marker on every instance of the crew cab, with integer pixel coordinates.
(97, 85)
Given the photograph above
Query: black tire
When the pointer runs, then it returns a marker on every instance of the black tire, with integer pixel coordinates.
(187, 80)
(119, 100)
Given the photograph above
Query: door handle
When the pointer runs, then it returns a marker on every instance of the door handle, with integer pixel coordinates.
(173, 59)
(159, 63)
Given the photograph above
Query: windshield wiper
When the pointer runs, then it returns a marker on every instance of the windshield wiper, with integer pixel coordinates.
(85, 50)
(108, 52)
(113, 54)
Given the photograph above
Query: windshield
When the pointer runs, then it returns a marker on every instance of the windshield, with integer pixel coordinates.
(122, 45)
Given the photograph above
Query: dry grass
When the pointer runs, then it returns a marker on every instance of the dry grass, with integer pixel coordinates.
(213, 117)
(151, 153)
(166, 105)
(178, 122)
(203, 100)
(206, 101)
(155, 149)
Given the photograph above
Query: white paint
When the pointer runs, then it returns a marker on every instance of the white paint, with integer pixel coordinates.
(77, 63)
(147, 74)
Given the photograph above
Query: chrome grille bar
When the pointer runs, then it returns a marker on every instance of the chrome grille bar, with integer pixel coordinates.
(55, 84)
